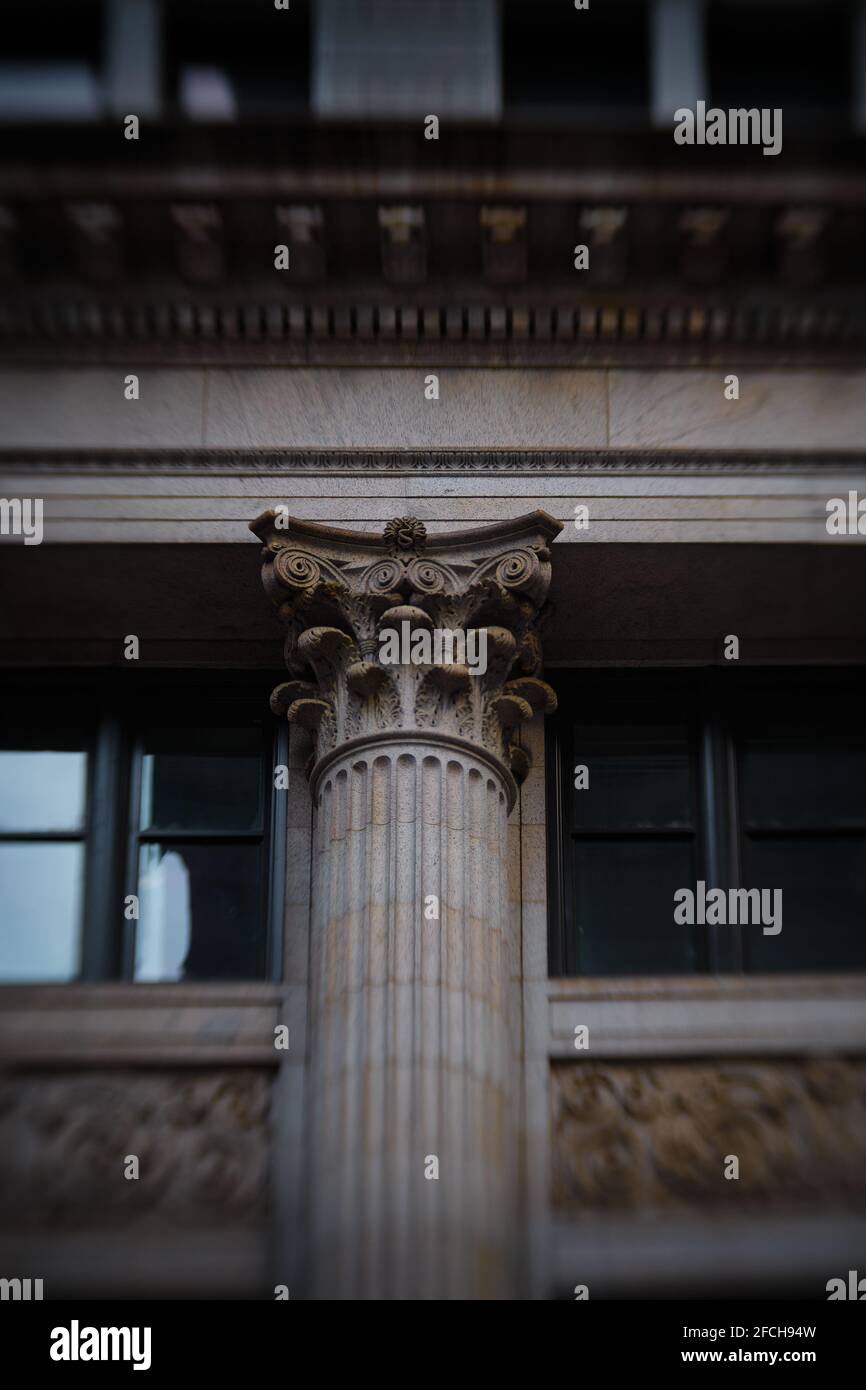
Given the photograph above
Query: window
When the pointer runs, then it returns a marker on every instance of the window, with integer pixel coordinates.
(157, 799)
(724, 779)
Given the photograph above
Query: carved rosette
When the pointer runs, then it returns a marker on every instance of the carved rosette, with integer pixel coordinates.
(338, 590)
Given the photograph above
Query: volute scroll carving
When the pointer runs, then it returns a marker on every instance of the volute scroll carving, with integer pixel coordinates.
(340, 593)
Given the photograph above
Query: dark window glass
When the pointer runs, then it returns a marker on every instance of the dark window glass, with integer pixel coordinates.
(53, 32)
(640, 777)
(202, 779)
(630, 824)
(802, 802)
(795, 56)
(623, 893)
(804, 773)
(823, 884)
(580, 63)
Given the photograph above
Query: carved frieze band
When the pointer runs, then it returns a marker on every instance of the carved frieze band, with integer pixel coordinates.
(628, 1138)
(411, 462)
(200, 1138)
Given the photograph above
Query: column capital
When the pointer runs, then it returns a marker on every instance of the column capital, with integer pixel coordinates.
(406, 633)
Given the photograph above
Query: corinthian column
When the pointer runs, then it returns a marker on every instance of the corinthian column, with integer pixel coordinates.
(412, 1125)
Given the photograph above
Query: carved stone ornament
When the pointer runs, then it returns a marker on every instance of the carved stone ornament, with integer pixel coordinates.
(337, 591)
(630, 1138)
(201, 1138)
(405, 533)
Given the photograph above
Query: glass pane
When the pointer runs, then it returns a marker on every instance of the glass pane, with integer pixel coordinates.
(201, 913)
(823, 885)
(202, 779)
(40, 911)
(804, 776)
(638, 777)
(624, 907)
(42, 790)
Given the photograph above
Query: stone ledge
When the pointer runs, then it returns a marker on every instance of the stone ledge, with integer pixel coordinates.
(811, 1015)
(57, 1026)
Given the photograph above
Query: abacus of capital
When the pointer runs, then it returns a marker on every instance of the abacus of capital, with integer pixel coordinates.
(415, 770)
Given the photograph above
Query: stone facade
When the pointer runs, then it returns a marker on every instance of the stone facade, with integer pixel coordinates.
(410, 950)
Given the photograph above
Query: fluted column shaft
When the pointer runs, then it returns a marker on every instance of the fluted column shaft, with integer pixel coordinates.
(409, 1047)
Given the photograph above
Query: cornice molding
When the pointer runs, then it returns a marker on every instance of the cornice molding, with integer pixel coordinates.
(694, 252)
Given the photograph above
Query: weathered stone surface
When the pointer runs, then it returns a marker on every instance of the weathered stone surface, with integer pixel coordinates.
(69, 408)
(775, 410)
(347, 407)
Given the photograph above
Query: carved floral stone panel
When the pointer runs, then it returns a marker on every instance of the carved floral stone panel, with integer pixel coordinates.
(201, 1139)
(647, 1138)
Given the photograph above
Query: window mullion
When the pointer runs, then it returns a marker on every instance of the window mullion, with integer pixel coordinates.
(708, 821)
(732, 826)
(103, 904)
(724, 943)
(133, 802)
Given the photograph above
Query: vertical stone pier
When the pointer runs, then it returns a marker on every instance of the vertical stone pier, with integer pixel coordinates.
(415, 770)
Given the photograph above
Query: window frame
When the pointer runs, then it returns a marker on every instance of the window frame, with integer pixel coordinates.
(111, 707)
